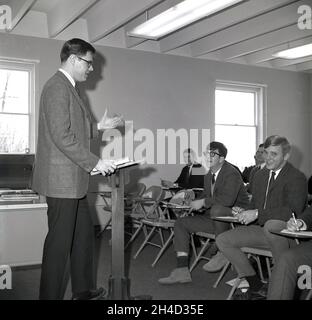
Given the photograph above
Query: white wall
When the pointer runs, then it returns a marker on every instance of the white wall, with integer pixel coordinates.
(158, 91)
(164, 91)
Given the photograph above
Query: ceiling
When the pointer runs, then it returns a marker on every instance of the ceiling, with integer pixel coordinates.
(247, 33)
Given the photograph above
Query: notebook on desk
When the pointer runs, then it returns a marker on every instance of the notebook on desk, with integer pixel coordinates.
(228, 218)
(297, 233)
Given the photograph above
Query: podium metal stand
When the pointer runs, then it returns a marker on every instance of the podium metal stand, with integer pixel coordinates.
(119, 284)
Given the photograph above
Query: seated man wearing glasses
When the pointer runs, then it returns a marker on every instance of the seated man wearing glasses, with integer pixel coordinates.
(278, 190)
(223, 189)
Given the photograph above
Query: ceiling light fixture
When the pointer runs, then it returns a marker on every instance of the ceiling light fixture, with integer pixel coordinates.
(179, 16)
(295, 53)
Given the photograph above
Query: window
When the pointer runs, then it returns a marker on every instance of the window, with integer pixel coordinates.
(16, 107)
(239, 120)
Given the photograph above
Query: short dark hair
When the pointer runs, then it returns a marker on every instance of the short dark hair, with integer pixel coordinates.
(277, 140)
(222, 150)
(261, 145)
(75, 46)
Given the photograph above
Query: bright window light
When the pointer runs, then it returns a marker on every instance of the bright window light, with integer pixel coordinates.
(295, 53)
(179, 16)
(15, 109)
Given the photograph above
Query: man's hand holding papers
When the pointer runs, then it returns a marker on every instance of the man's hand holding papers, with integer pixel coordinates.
(110, 166)
(105, 167)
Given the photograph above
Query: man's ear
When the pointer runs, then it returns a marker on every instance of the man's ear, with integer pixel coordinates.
(72, 58)
(286, 156)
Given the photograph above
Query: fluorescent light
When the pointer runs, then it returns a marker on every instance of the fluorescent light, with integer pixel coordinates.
(295, 53)
(179, 16)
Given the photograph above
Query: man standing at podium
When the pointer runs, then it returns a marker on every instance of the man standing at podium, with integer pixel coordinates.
(62, 167)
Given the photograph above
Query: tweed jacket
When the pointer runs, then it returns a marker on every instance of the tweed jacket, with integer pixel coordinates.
(63, 158)
(287, 194)
(229, 189)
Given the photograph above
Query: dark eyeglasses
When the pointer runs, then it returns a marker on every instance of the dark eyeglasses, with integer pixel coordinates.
(90, 63)
(212, 153)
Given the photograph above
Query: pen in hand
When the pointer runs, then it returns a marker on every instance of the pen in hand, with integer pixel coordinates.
(296, 222)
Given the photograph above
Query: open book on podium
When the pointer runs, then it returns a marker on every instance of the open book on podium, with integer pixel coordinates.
(121, 163)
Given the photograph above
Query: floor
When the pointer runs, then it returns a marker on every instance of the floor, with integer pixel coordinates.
(143, 277)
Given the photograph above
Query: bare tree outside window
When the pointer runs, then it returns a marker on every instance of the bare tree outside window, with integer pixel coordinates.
(14, 111)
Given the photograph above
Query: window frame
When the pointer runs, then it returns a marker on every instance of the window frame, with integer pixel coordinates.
(30, 67)
(260, 91)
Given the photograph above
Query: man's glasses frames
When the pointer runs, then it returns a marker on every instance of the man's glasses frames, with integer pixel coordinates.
(211, 153)
(90, 63)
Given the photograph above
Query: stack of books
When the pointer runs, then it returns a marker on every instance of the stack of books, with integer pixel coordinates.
(18, 195)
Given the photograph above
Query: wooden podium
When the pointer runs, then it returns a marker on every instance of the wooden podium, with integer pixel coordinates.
(119, 284)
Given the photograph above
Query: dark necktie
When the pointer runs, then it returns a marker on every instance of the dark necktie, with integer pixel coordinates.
(272, 179)
(187, 176)
(77, 90)
(213, 178)
(213, 181)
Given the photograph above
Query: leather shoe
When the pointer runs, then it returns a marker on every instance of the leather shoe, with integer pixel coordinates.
(178, 275)
(90, 294)
(251, 295)
(260, 294)
(241, 294)
(216, 263)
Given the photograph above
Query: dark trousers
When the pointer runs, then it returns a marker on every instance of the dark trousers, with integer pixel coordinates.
(283, 282)
(184, 227)
(70, 239)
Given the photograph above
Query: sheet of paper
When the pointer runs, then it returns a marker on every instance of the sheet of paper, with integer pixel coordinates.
(229, 218)
(299, 233)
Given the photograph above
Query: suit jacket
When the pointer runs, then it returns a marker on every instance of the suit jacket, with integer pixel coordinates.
(229, 189)
(287, 194)
(246, 173)
(306, 216)
(310, 185)
(63, 158)
(253, 171)
(193, 180)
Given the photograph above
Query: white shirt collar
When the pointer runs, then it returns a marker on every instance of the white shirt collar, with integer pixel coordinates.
(68, 76)
(216, 173)
(276, 172)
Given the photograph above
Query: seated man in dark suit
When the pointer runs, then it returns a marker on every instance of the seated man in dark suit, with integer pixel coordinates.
(278, 190)
(223, 189)
(260, 164)
(191, 176)
(283, 281)
(310, 190)
(258, 159)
